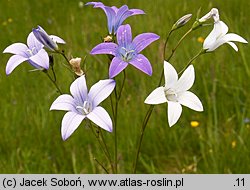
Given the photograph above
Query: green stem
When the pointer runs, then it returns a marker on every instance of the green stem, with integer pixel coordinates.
(101, 166)
(54, 82)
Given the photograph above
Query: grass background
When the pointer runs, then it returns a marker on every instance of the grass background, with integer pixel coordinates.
(30, 140)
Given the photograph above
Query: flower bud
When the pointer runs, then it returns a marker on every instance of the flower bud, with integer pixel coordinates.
(182, 21)
(76, 66)
(42, 36)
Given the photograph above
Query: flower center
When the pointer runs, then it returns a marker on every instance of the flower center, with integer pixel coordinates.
(31, 52)
(126, 54)
(86, 108)
(171, 95)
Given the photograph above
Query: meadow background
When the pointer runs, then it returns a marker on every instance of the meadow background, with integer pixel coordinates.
(30, 139)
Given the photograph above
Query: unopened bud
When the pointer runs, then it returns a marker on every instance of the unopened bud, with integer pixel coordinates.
(76, 66)
(182, 21)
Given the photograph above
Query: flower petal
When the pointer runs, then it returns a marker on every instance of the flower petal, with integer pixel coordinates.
(116, 66)
(101, 118)
(174, 112)
(156, 97)
(137, 11)
(64, 102)
(79, 89)
(190, 100)
(32, 42)
(186, 80)
(70, 122)
(17, 48)
(121, 15)
(41, 59)
(105, 48)
(124, 35)
(13, 62)
(170, 74)
(143, 40)
(57, 39)
(142, 63)
(100, 91)
(233, 45)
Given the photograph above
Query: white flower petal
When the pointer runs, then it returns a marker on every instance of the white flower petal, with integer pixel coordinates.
(64, 102)
(70, 123)
(79, 89)
(17, 48)
(233, 46)
(233, 37)
(170, 74)
(100, 91)
(174, 112)
(156, 97)
(101, 118)
(186, 81)
(57, 39)
(190, 100)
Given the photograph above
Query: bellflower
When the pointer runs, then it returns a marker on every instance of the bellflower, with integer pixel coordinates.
(33, 53)
(127, 51)
(116, 16)
(219, 36)
(83, 104)
(175, 93)
(49, 41)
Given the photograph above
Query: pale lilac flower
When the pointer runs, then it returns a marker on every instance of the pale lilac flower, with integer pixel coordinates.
(127, 51)
(33, 52)
(219, 36)
(116, 16)
(49, 41)
(175, 93)
(83, 104)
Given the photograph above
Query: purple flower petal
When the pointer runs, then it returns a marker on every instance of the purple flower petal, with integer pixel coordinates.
(41, 59)
(116, 66)
(96, 4)
(100, 91)
(64, 102)
(57, 39)
(143, 40)
(142, 63)
(136, 11)
(122, 13)
(70, 122)
(32, 42)
(13, 62)
(101, 118)
(79, 89)
(17, 48)
(124, 35)
(105, 48)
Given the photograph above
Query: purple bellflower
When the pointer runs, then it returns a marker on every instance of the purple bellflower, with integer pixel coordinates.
(127, 51)
(116, 16)
(49, 41)
(33, 52)
(83, 104)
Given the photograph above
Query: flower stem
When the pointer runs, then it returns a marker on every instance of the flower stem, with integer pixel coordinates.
(53, 81)
(101, 166)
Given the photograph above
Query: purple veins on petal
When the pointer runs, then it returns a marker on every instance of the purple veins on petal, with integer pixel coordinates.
(105, 48)
(116, 66)
(143, 40)
(142, 63)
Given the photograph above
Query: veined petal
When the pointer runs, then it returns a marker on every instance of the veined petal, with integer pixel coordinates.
(156, 97)
(105, 48)
(17, 48)
(124, 35)
(115, 9)
(70, 123)
(13, 62)
(32, 42)
(110, 13)
(121, 15)
(79, 89)
(101, 118)
(143, 40)
(57, 39)
(64, 102)
(41, 59)
(186, 80)
(142, 63)
(137, 11)
(96, 4)
(116, 66)
(190, 100)
(170, 74)
(233, 45)
(100, 91)
(174, 112)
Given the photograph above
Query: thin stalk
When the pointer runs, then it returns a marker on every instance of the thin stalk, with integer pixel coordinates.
(101, 166)
(54, 82)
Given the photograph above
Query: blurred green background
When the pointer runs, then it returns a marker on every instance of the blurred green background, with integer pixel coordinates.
(30, 140)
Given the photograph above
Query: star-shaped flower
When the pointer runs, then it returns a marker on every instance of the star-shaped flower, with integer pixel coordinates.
(33, 53)
(116, 16)
(49, 41)
(83, 104)
(175, 93)
(219, 36)
(127, 51)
